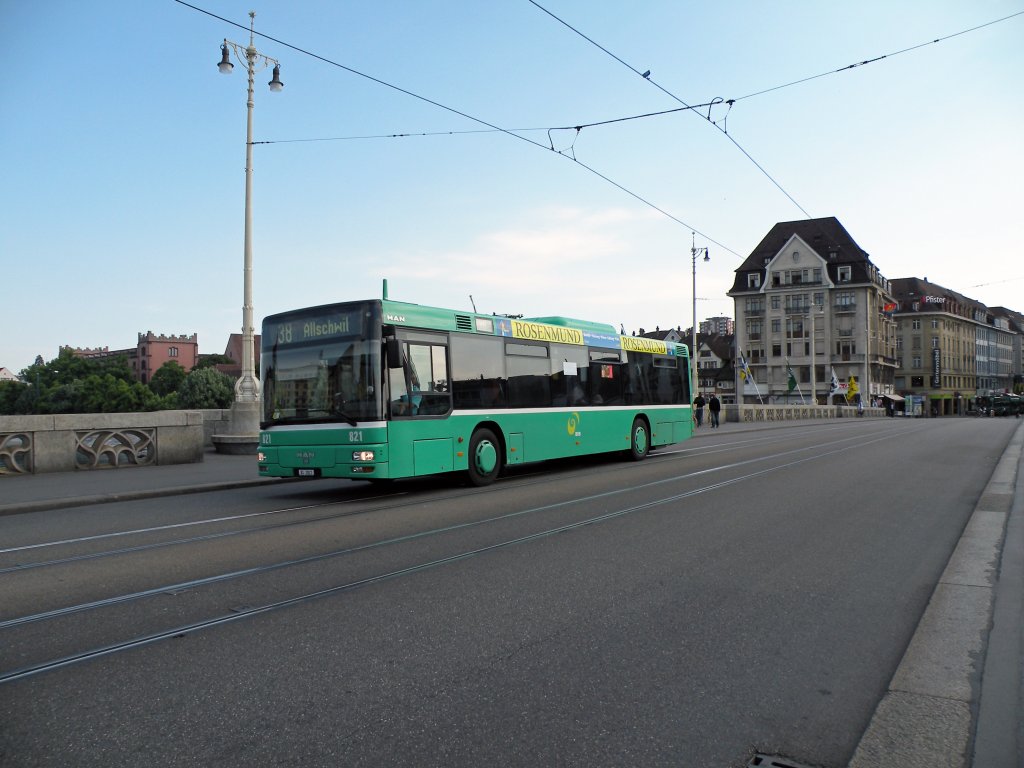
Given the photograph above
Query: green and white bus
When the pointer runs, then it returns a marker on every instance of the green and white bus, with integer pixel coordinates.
(381, 389)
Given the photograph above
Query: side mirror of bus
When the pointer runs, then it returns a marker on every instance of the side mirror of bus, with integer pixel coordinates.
(393, 352)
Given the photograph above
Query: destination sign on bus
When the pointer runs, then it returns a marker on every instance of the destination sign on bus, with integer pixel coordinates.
(314, 328)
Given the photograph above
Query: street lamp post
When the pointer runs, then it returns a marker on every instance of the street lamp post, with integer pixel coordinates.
(245, 411)
(694, 250)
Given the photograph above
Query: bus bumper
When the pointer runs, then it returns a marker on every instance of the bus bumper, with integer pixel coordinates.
(362, 462)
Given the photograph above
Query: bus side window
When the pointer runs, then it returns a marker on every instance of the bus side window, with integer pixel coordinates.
(606, 383)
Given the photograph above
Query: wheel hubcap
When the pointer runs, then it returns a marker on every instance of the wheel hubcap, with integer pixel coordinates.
(486, 457)
(640, 440)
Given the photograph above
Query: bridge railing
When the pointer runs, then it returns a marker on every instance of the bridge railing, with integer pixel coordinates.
(89, 441)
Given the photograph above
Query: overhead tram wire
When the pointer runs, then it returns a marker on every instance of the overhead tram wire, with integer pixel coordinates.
(413, 134)
(647, 76)
(730, 102)
(878, 58)
(461, 114)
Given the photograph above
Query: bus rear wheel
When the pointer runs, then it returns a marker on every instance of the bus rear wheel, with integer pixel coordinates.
(484, 457)
(640, 440)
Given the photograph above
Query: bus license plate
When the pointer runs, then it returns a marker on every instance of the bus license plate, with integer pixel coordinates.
(307, 473)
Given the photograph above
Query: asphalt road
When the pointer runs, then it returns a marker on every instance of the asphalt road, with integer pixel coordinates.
(739, 593)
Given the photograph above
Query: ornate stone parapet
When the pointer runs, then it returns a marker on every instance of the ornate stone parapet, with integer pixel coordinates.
(15, 453)
(112, 448)
(60, 443)
(774, 413)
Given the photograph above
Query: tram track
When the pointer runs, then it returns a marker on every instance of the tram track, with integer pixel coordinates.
(99, 650)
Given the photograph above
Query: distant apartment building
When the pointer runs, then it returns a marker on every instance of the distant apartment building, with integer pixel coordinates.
(716, 326)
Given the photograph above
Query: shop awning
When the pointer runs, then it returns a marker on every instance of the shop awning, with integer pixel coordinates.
(895, 398)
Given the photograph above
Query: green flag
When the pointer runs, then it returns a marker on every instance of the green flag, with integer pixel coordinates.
(792, 378)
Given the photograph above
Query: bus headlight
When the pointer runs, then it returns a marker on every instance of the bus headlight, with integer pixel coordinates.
(362, 456)
(261, 457)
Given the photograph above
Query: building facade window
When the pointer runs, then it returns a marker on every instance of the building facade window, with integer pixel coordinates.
(845, 274)
(845, 299)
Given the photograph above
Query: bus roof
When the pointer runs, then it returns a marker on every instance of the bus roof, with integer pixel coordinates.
(552, 328)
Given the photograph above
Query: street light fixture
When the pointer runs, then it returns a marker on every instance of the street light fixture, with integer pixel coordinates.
(247, 388)
(694, 251)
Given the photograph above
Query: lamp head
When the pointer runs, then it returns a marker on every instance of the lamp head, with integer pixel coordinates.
(225, 66)
(275, 82)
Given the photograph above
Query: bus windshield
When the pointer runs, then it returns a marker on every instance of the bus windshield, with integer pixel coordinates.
(321, 366)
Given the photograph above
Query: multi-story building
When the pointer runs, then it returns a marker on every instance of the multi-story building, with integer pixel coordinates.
(1015, 321)
(717, 326)
(714, 366)
(150, 353)
(153, 351)
(809, 302)
(951, 350)
(936, 345)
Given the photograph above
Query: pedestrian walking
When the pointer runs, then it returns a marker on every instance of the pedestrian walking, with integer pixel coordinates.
(714, 406)
(698, 409)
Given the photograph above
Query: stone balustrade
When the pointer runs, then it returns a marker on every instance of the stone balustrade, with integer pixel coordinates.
(772, 413)
(89, 441)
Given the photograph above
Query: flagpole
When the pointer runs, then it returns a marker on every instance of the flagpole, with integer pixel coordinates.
(750, 376)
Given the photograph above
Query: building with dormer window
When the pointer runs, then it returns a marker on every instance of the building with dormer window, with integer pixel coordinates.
(809, 302)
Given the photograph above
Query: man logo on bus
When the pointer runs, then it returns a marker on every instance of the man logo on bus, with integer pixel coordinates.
(571, 425)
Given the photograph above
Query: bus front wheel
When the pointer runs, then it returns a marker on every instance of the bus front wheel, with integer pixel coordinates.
(640, 440)
(484, 457)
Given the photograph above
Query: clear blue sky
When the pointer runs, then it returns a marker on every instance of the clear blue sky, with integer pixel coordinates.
(121, 208)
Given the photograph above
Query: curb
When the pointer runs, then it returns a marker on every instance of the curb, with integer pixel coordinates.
(927, 715)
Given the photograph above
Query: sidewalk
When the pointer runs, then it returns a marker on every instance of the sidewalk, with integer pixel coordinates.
(55, 490)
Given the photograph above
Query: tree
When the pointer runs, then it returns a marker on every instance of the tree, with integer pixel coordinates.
(209, 361)
(206, 388)
(10, 393)
(167, 378)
